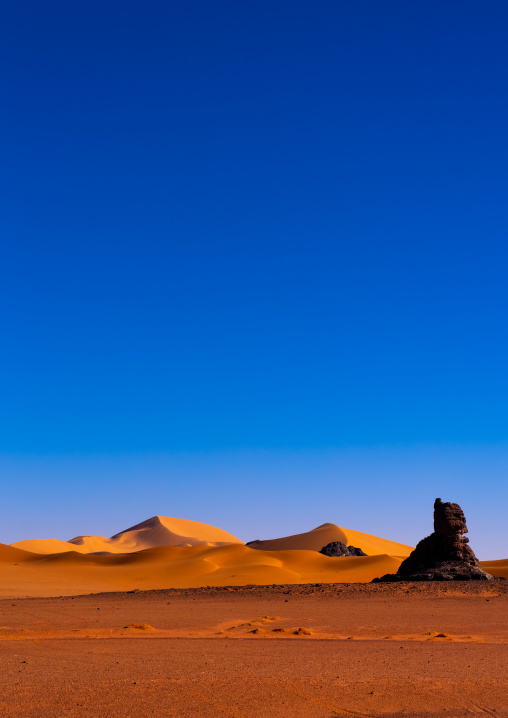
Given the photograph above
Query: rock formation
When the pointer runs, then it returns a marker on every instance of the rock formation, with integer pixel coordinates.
(445, 555)
(336, 548)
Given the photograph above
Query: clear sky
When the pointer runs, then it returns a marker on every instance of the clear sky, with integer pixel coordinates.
(253, 265)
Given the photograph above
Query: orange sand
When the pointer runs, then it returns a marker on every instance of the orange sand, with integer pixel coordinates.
(260, 652)
(30, 574)
(326, 533)
(157, 531)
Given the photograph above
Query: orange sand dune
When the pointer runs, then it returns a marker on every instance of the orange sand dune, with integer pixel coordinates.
(326, 533)
(24, 573)
(11, 554)
(166, 531)
(157, 531)
(496, 568)
(30, 574)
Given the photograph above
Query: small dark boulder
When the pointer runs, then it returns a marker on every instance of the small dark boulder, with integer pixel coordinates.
(336, 548)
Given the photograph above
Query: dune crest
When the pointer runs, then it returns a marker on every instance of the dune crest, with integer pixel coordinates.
(72, 572)
(326, 533)
(156, 531)
(313, 540)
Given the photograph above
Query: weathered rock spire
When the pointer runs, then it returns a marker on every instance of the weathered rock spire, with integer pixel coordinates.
(445, 555)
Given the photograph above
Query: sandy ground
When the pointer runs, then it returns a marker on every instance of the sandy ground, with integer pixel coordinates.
(248, 652)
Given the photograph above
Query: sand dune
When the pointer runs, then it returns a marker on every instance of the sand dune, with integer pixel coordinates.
(326, 533)
(496, 568)
(166, 531)
(51, 545)
(67, 573)
(156, 531)
(11, 554)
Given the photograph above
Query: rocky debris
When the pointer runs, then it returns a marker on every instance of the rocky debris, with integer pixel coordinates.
(445, 555)
(336, 548)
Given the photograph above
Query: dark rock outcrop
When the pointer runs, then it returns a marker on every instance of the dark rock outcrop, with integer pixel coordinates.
(336, 548)
(445, 555)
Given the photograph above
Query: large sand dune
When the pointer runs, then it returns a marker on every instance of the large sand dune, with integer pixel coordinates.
(157, 531)
(326, 533)
(66, 573)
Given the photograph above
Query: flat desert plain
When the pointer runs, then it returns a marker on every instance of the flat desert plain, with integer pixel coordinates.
(247, 652)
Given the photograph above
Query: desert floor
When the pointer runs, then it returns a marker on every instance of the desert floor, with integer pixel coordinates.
(310, 650)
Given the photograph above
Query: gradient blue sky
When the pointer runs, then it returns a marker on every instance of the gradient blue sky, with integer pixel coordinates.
(253, 265)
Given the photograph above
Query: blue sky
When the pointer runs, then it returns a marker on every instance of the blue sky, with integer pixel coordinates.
(241, 240)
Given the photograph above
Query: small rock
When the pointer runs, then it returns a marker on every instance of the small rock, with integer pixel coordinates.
(337, 549)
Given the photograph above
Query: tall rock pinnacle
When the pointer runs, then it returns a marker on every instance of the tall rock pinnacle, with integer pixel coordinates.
(445, 555)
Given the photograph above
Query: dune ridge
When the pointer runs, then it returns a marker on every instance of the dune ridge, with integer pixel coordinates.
(71, 573)
(155, 531)
(315, 539)
(168, 531)
(66, 573)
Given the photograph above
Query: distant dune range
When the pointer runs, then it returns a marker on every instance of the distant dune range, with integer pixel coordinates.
(157, 531)
(165, 552)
